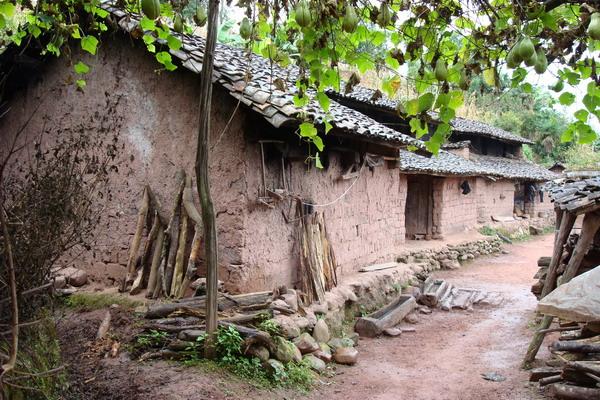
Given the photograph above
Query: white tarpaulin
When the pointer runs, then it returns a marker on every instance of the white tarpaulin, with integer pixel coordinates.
(577, 300)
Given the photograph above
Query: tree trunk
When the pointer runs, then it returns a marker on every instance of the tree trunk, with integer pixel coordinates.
(202, 178)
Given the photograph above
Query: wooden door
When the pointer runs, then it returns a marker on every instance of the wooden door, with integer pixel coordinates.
(419, 207)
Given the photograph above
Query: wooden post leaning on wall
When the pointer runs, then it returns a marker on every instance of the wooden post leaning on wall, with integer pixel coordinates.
(173, 234)
(137, 238)
(194, 215)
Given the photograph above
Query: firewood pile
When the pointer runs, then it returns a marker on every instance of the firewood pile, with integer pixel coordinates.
(168, 260)
(575, 369)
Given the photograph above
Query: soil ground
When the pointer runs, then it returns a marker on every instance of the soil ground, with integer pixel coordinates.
(442, 360)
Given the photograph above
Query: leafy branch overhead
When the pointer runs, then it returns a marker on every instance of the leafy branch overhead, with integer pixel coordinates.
(446, 42)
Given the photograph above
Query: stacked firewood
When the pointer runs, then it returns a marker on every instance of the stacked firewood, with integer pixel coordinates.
(589, 261)
(182, 321)
(574, 370)
(166, 264)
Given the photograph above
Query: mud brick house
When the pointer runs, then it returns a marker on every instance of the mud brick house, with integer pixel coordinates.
(374, 193)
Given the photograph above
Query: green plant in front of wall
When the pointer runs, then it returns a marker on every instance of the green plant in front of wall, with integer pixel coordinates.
(270, 326)
(487, 230)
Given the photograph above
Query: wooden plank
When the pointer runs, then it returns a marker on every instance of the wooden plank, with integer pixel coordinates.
(379, 267)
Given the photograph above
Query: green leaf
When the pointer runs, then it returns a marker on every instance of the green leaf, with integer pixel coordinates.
(165, 59)
(566, 99)
(307, 129)
(582, 115)
(527, 87)
(318, 163)
(549, 21)
(81, 68)
(591, 102)
(100, 12)
(412, 107)
(323, 101)
(585, 134)
(147, 24)
(426, 101)
(80, 84)
(174, 43)
(328, 127)
(418, 127)
(447, 114)
(456, 99)
(300, 101)
(567, 135)
(89, 44)
(318, 142)
(7, 9)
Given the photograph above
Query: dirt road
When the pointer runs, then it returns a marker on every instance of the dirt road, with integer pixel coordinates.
(445, 357)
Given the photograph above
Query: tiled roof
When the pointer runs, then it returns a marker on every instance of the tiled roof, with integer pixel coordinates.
(575, 196)
(446, 163)
(461, 125)
(267, 88)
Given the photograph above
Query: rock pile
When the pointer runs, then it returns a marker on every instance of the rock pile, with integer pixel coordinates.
(451, 256)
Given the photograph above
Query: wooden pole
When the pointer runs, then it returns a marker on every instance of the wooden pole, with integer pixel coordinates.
(567, 220)
(137, 238)
(202, 178)
(152, 279)
(591, 224)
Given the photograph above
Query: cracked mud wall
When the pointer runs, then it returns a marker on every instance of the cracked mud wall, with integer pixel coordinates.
(155, 117)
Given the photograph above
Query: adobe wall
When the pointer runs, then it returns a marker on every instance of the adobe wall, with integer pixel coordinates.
(494, 198)
(365, 226)
(154, 117)
(453, 211)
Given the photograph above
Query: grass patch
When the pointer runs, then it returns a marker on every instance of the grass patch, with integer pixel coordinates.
(95, 301)
(39, 352)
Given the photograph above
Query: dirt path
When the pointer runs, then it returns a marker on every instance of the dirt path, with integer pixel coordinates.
(445, 357)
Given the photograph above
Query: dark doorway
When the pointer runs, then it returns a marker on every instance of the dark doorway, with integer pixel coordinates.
(419, 207)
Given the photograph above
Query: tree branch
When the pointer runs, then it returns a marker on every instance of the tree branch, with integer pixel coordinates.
(12, 282)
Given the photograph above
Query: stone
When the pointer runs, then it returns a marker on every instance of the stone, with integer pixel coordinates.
(412, 318)
(190, 335)
(505, 252)
(291, 299)
(306, 343)
(449, 264)
(324, 347)
(75, 277)
(392, 332)
(336, 343)
(354, 336)
(274, 367)
(327, 357)
(424, 310)
(346, 355)
(463, 257)
(315, 363)
(470, 256)
(60, 282)
(286, 351)
(288, 327)
(260, 352)
(321, 331)
(319, 308)
(408, 330)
